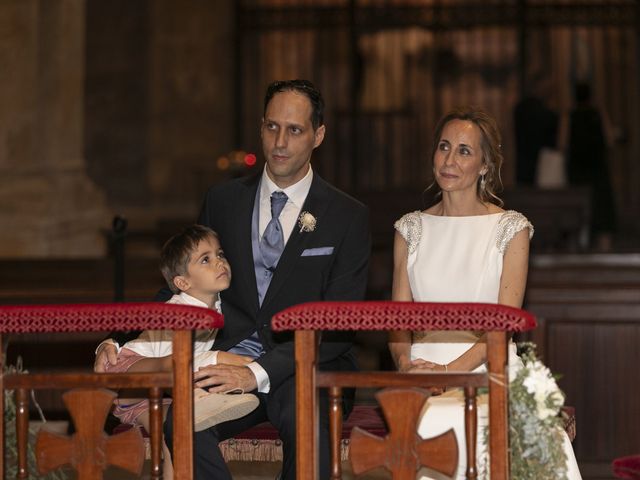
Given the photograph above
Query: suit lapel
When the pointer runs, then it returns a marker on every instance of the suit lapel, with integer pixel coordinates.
(316, 203)
(244, 261)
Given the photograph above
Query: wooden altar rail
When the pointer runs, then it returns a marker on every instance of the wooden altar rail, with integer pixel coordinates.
(587, 306)
(588, 310)
(89, 451)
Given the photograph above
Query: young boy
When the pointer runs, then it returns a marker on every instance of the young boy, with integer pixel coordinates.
(196, 270)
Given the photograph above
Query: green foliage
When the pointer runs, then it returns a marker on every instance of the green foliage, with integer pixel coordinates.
(11, 450)
(535, 426)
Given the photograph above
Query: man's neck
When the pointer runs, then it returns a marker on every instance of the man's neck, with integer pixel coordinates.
(283, 184)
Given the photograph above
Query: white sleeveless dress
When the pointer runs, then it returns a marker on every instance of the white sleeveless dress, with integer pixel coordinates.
(458, 259)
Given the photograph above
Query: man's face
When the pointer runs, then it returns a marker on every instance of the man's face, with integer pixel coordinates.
(288, 138)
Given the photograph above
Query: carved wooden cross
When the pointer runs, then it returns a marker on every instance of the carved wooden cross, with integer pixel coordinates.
(90, 450)
(402, 451)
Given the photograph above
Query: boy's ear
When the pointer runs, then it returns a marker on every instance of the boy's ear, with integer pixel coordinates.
(181, 283)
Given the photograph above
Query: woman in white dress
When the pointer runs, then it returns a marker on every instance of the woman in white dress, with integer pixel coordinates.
(465, 248)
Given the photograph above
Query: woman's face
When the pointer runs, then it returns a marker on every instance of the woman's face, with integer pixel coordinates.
(458, 160)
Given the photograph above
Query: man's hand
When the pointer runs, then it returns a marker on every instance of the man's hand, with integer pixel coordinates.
(229, 358)
(225, 378)
(107, 352)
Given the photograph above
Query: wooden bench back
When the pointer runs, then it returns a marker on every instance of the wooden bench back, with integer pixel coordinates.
(401, 452)
(90, 450)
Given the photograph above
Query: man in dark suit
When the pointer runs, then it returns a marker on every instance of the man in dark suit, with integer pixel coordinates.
(313, 246)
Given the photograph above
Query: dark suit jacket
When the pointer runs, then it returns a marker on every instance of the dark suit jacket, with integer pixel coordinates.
(342, 223)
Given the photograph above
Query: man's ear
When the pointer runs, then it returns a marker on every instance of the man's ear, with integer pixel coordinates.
(319, 136)
(181, 283)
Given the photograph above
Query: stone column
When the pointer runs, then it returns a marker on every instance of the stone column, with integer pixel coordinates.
(48, 205)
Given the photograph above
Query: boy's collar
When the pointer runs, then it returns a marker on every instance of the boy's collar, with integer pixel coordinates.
(189, 300)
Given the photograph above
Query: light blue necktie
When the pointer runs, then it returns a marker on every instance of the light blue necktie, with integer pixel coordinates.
(271, 247)
(272, 243)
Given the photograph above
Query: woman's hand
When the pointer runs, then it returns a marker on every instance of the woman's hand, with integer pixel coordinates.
(424, 366)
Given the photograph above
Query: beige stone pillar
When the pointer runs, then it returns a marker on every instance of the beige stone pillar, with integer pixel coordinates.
(48, 205)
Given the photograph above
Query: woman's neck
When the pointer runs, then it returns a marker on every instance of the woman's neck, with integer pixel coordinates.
(459, 204)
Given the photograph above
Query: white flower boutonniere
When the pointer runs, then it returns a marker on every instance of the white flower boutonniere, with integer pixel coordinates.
(307, 222)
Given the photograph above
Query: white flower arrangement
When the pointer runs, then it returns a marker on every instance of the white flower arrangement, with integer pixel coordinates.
(307, 222)
(535, 425)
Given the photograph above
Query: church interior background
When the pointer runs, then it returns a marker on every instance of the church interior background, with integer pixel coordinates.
(132, 108)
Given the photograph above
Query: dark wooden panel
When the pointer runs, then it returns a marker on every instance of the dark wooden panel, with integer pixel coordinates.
(597, 362)
(589, 332)
(67, 281)
(75, 280)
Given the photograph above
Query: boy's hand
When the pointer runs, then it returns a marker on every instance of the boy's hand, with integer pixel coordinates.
(223, 378)
(107, 352)
(229, 358)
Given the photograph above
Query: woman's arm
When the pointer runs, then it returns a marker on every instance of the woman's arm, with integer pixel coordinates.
(512, 285)
(400, 341)
(514, 270)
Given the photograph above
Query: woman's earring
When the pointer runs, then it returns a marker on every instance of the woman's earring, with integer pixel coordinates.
(483, 183)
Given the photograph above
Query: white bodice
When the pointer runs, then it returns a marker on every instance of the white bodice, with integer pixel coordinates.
(457, 259)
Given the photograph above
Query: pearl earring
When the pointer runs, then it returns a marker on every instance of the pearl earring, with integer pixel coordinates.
(483, 183)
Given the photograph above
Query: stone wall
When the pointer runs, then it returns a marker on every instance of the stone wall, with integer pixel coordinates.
(49, 205)
(159, 92)
(108, 107)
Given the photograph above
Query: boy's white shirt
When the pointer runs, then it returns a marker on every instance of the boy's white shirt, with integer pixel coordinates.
(158, 343)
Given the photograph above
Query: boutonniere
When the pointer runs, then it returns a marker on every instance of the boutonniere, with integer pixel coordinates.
(307, 222)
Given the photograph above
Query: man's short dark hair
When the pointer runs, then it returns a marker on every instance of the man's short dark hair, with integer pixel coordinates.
(306, 88)
(177, 251)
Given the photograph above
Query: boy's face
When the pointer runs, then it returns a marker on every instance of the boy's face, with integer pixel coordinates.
(208, 271)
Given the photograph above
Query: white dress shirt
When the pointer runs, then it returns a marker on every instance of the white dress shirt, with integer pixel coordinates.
(297, 194)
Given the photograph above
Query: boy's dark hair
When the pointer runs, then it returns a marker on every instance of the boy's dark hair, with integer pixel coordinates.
(304, 87)
(176, 252)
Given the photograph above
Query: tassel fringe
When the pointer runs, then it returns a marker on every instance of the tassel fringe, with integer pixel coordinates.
(244, 450)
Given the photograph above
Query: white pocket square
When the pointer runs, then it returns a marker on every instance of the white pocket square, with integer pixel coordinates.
(315, 252)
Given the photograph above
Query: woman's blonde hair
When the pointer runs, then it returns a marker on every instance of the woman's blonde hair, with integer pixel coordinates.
(490, 143)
